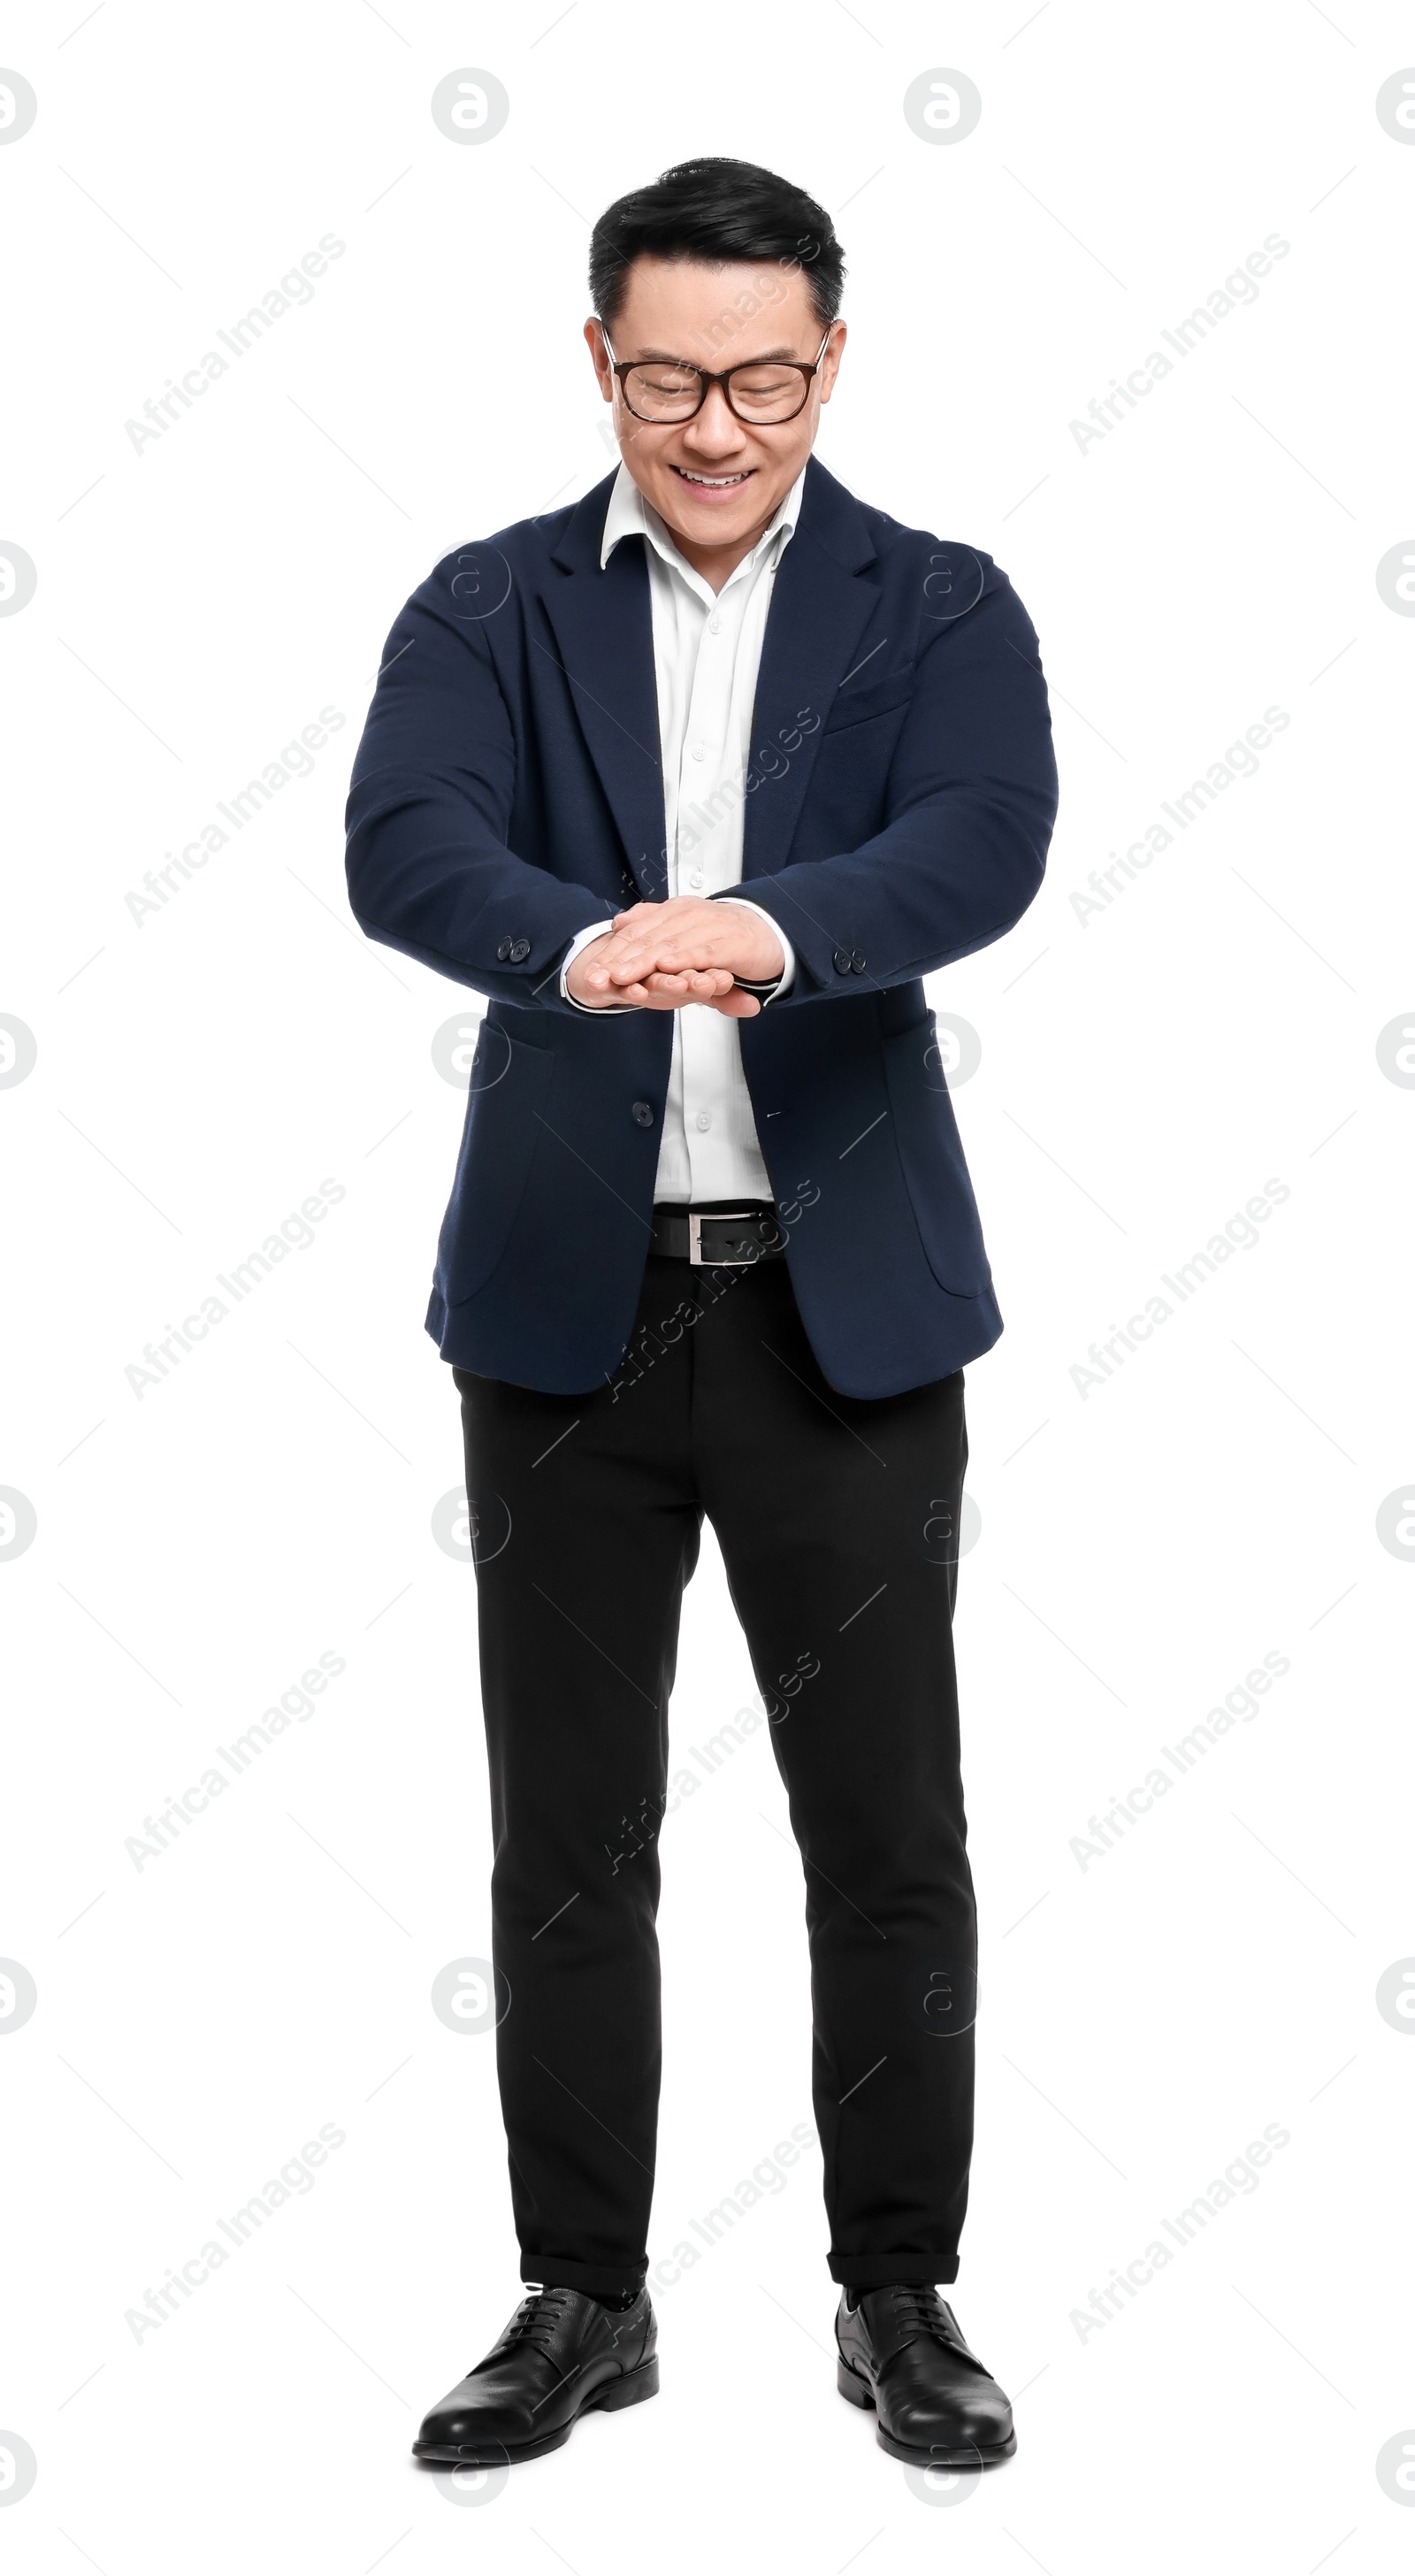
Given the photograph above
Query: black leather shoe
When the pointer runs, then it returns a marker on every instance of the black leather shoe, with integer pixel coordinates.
(561, 2355)
(901, 2353)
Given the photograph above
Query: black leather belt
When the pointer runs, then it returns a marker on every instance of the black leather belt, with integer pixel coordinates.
(718, 1238)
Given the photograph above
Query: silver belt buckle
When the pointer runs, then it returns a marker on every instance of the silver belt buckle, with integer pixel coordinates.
(716, 1216)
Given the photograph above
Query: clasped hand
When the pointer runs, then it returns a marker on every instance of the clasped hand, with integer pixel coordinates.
(659, 956)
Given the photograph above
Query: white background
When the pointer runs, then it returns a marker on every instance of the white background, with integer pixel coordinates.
(1142, 1546)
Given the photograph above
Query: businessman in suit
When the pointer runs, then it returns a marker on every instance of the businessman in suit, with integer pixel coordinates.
(695, 780)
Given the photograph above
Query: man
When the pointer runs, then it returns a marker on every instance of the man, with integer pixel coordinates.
(712, 1247)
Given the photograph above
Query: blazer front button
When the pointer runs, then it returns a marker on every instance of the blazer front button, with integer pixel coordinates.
(503, 952)
(841, 961)
(643, 1113)
(520, 950)
(857, 961)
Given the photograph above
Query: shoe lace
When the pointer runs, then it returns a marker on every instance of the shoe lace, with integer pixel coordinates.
(536, 2320)
(920, 2309)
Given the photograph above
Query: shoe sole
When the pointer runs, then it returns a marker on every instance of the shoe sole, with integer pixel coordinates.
(630, 2389)
(970, 2455)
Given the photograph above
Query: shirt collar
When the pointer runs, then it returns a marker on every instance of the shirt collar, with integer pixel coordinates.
(630, 515)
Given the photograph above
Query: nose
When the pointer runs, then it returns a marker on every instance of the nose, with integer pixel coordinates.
(715, 431)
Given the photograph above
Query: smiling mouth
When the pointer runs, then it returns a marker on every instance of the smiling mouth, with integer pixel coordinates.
(715, 482)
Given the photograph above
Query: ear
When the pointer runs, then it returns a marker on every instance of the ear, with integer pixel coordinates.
(830, 363)
(594, 342)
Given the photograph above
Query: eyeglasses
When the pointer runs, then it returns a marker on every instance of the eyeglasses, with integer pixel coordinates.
(762, 393)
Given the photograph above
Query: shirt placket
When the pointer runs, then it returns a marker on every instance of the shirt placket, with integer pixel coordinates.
(708, 1040)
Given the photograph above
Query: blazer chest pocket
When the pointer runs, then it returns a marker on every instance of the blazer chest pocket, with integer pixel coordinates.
(859, 705)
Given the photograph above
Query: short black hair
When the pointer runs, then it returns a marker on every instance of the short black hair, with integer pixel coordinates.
(717, 209)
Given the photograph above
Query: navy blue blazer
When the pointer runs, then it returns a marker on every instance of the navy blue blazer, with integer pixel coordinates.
(898, 807)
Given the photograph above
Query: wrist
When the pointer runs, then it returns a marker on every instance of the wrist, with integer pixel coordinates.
(765, 986)
(768, 963)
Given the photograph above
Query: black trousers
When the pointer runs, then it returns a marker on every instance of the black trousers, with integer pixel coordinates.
(837, 1521)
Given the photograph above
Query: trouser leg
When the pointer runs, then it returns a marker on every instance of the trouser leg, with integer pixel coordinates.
(586, 1531)
(838, 1521)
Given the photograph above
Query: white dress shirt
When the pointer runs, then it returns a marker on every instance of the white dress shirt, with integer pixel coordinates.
(706, 651)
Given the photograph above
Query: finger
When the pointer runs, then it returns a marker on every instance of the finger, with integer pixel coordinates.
(669, 956)
(700, 984)
(643, 962)
(626, 954)
(662, 962)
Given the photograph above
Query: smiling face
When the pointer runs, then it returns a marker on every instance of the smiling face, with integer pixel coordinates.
(715, 480)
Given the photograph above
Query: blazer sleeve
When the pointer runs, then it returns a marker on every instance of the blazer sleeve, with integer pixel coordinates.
(971, 799)
(427, 862)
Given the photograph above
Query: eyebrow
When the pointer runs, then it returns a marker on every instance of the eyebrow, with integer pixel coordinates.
(759, 358)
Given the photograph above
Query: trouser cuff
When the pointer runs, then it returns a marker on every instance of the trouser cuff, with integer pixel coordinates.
(880, 2271)
(598, 2280)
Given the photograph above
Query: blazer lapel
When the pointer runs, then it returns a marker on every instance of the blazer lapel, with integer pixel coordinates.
(820, 607)
(602, 637)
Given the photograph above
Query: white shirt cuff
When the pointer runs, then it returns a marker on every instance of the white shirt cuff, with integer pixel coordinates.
(593, 1010)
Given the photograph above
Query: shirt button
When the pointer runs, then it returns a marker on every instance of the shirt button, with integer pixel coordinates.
(696, 878)
(714, 626)
(521, 948)
(643, 1114)
(703, 1121)
(697, 751)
